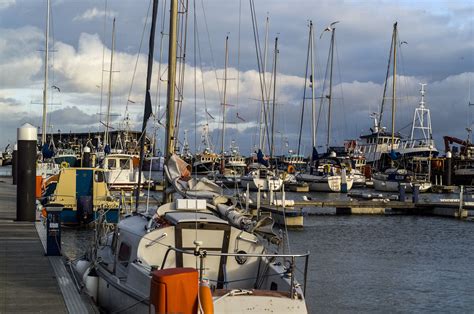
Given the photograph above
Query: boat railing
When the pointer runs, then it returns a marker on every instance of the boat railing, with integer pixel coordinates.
(414, 143)
(291, 270)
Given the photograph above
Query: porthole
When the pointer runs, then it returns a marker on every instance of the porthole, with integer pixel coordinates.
(241, 259)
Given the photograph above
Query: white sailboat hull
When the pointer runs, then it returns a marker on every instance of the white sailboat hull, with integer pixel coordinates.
(331, 183)
(383, 185)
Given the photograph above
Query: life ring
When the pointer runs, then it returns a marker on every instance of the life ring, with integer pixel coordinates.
(291, 169)
(64, 164)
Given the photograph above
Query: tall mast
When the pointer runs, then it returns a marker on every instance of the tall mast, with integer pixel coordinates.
(170, 112)
(272, 147)
(148, 110)
(262, 109)
(224, 104)
(109, 96)
(394, 82)
(313, 104)
(330, 88)
(45, 87)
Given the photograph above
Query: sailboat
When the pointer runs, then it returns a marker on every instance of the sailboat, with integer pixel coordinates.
(261, 176)
(326, 174)
(199, 241)
(399, 171)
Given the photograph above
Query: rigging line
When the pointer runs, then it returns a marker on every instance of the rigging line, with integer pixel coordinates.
(195, 106)
(136, 61)
(322, 92)
(342, 90)
(202, 76)
(385, 84)
(183, 20)
(304, 94)
(138, 57)
(259, 63)
(103, 62)
(210, 48)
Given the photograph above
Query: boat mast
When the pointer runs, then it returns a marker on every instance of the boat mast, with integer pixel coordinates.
(313, 104)
(45, 87)
(170, 114)
(109, 96)
(262, 108)
(394, 82)
(333, 32)
(224, 104)
(272, 146)
(313, 110)
(148, 110)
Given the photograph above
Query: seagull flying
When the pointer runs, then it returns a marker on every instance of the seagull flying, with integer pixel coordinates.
(55, 87)
(330, 28)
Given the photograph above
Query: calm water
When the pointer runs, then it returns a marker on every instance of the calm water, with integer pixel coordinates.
(388, 264)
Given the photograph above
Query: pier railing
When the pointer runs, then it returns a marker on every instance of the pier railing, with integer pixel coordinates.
(290, 270)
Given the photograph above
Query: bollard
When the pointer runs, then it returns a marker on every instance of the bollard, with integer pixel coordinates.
(86, 157)
(401, 192)
(449, 168)
(26, 173)
(14, 163)
(343, 181)
(416, 193)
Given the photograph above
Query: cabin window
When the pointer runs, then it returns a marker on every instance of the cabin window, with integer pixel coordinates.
(124, 253)
(111, 163)
(99, 176)
(124, 163)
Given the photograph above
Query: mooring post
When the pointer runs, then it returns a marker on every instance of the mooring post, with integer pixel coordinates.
(26, 173)
(343, 181)
(416, 193)
(448, 170)
(401, 192)
(86, 157)
(461, 199)
(14, 163)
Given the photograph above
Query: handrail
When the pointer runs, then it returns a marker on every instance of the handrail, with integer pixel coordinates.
(204, 253)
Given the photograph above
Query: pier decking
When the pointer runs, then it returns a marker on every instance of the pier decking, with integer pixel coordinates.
(28, 281)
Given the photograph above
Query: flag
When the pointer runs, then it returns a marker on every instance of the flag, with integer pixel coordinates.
(261, 159)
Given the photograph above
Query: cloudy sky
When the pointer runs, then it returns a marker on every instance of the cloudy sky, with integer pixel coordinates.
(439, 51)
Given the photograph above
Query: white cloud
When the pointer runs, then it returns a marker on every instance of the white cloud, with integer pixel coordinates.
(94, 13)
(6, 3)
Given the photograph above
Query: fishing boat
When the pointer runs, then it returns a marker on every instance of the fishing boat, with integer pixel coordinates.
(121, 171)
(84, 196)
(421, 141)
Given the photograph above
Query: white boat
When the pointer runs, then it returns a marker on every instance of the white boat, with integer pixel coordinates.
(325, 182)
(261, 178)
(390, 180)
(238, 267)
(329, 176)
(122, 171)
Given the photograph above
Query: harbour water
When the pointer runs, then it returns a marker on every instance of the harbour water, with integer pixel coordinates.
(387, 264)
(393, 263)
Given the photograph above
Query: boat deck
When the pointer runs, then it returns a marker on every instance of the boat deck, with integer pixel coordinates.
(29, 282)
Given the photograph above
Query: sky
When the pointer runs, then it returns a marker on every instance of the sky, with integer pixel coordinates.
(437, 49)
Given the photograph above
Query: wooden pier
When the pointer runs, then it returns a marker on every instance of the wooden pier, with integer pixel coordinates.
(29, 280)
